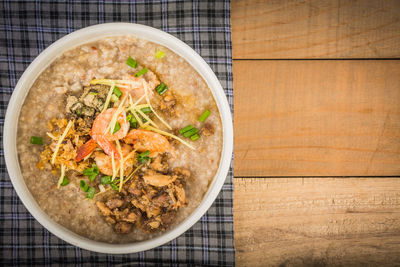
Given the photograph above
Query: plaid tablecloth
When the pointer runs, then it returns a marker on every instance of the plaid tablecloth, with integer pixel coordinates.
(28, 27)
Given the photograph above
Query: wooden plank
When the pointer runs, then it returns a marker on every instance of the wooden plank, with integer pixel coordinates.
(317, 221)
(315, 29)
(317, 118)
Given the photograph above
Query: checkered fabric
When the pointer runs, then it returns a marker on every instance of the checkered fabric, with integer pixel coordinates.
(28, 27)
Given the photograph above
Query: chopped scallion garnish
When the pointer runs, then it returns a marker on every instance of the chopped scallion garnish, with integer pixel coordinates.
(132, 120)
(141, 72)
(146, 110)
(144, 157)
(131, 62)
(190, 132)
(185, 129)
(205, 115)
(36, 140)
(161, 88)
(90, 192)
(117, 92)
(83, 186)
(113, 186)
(91, 173)
(159, 54)
(105, 180)
(195, 137)
(65, 181)
(116, 127)
(114, 98)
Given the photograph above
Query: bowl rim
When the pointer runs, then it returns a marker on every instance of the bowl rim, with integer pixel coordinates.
(74, 39)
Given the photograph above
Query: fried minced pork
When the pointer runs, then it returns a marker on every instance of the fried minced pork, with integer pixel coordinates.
(149, 201)
(77, 135)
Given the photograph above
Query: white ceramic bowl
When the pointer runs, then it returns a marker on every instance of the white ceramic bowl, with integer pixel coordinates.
(43, 61)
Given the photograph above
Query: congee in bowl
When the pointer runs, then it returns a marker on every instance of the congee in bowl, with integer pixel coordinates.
(119, 139)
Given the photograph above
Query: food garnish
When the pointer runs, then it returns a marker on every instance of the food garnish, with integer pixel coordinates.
(109, 95)
(189, 131)
(90, 192)
(60, 140)
(65, 181)
(121, 165)
(62, 175)
(131, 62)
(150, 128)
(161, 88)
(35, 140)
(195, 137)
(116, 127)
(117, 92)
(160, 54)
(204, 116)
(185, 129)
(83, 186)
(91, 173)
(144, 157)
(141, 72)
(105, 180)
(146, 110)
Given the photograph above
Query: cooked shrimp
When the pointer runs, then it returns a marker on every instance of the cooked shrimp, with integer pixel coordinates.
(102, 135)
(104, 162)
(143, 140)
(136, 87)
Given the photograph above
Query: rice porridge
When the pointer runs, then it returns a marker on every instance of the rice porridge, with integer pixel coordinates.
(119, 139)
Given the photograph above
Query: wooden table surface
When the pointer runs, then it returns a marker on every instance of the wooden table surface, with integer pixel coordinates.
(317, 132)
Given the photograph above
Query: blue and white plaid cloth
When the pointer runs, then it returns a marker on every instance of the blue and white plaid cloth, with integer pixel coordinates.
(28, 27)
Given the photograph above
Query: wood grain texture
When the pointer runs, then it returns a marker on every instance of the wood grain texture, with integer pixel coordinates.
(317, 221)
(317, 118)
(315, 29)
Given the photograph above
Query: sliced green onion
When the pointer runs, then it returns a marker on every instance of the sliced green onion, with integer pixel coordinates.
(114, 98)
(129, 117)
(113, 186)
(141, 72)
(185, 129)
(105, 180)
(161, 88)
(36, 140)
(132, 120)
(116, 127)
(190, 132)
(83, 186)
(131, 62)
(146, 110)
(117, 92)
(144, 157)
(159, 54)
(90, 192)
(65, 181)
(91, 173)
(195, 137)
(205, 115)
